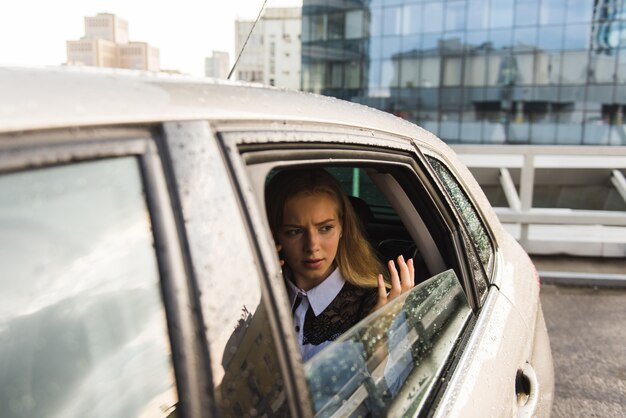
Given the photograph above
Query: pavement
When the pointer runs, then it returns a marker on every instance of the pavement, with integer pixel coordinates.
(581, 271)
(588, 338)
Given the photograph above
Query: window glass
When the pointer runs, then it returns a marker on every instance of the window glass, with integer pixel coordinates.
(525, 64)
(391, 47)
(392, 21)
(502, 13)
(501, 38)
(412, 19)
(526, 12)
(376, 21)
(452, 71)
(389, 362)
(525, 38)
(433, 17)
(478, 14)
(390, 74)
(82, 324)
(551, 11)
(550, 38)
(336, 26)
(317, 26)
(576, 37)
(469, 215)
(574, 67)
(354, 24)
(455, 16)
(430, 72)
(353, 75)
(410, 72)
(475, 70)
(578, 11)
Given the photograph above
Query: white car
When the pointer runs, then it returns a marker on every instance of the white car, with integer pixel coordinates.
(139, 277)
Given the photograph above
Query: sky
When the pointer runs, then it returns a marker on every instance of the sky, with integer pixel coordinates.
(33, 32)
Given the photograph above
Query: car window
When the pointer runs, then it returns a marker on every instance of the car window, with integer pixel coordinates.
(388, 363)
(475, 228)
(82, 323)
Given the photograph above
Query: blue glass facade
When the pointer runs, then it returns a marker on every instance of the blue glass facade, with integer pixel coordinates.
(476, 71)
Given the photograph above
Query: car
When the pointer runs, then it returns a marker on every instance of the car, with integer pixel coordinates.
(139, 276)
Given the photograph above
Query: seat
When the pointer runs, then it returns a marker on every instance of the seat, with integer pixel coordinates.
(363, 211)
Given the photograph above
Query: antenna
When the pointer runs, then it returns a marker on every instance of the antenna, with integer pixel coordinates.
(232, 70)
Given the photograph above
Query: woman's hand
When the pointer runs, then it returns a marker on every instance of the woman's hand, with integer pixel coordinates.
(401, 281)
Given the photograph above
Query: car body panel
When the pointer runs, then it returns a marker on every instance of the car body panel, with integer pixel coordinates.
(200, 125)
(59, 97)
(475, 384)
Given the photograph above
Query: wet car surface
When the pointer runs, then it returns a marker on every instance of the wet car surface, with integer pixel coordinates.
(140, 277)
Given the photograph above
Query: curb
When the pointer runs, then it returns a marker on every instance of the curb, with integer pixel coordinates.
(567, 278)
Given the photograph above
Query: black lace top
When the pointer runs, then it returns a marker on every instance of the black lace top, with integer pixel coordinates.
(350, 306)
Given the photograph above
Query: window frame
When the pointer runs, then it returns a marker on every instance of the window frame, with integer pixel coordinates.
(286, 144)
(489, 273)
(48, 148)
(352, 156)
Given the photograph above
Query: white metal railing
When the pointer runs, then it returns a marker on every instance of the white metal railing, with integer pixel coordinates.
(554, 230)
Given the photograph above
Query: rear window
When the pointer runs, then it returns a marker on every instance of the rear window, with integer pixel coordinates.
(82, 325)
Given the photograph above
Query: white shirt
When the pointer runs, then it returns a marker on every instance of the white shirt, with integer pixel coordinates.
(318, 299)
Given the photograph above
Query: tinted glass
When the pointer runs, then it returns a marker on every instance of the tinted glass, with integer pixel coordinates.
(82, 325)
(389, 362)
(355, 182)
(470, 218)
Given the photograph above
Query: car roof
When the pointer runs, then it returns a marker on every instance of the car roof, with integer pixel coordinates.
(58, 97)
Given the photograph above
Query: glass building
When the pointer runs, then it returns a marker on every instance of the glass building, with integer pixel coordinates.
(476, 71)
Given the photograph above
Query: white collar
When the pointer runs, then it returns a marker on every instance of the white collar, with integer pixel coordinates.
(321, 295)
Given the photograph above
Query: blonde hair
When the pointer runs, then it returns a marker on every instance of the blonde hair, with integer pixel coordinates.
(355, 257)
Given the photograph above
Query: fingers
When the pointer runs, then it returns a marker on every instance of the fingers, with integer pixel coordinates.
(382, 289)
(402, 280)
(402, 277)
(382, 294)
(396, 286)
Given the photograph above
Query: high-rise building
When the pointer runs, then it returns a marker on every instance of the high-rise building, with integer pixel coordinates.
(106, 26)
(217, 65)
(106, 44)
(272, 55)
(250, 65)
(92, 52)
(476, 71)
(138, 56)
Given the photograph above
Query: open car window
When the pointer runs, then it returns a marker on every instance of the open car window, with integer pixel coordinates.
(388, 363)
(393, 361)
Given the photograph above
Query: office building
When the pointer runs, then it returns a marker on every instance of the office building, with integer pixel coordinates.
(272, 55)
(476, 71)
(106, 44)
(217, 65)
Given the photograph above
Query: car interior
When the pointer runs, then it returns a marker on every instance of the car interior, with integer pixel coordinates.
(391, 221)
(398, 216)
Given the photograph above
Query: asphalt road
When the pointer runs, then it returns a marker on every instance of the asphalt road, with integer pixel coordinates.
(587, 328)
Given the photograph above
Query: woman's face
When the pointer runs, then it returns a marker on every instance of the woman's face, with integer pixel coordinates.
(309, 236)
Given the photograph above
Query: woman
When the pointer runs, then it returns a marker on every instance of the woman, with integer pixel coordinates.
(333, 276)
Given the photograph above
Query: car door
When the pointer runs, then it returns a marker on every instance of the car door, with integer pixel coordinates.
(392, 163)
(96, 314)
(497, 364)
(252, 365)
